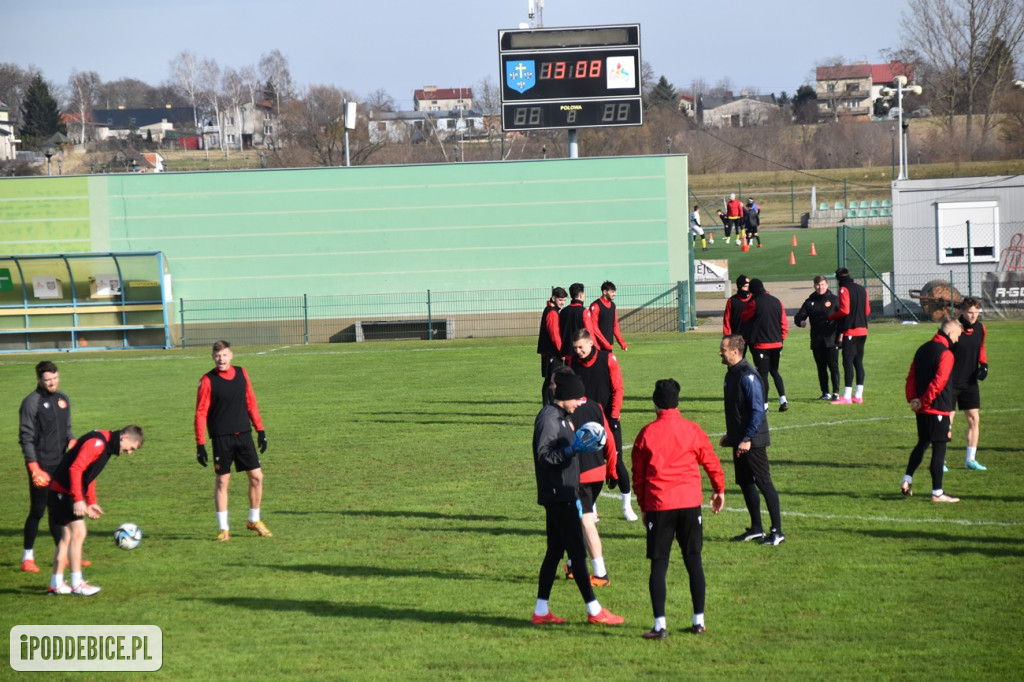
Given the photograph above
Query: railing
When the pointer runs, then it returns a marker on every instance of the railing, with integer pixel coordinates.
(431, 315)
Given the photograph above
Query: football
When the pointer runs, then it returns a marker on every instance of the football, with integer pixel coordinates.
(591, 431)
(127, 536)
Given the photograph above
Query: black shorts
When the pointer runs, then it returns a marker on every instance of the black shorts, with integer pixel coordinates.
(967, 397)
(588, 494)
(236, 448)
(751, 466)
(933, 428)
(684, 525)
(62, 509)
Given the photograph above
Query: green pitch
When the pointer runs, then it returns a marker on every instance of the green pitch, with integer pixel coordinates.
(399, 487)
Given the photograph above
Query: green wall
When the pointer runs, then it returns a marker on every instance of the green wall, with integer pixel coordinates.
(501, 225)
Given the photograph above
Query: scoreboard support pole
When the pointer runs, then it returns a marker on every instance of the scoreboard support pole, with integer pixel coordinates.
(574, 144)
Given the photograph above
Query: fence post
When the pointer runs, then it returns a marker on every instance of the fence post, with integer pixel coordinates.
(680, 307)
(840, 246)
(846, 199)
(181, 311)
(792, 201)
(970, 262)
(305, 317)
(430, 319)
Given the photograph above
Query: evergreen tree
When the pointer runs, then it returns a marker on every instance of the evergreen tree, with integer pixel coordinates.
(40, 114)
(663, 94)
(805, 105)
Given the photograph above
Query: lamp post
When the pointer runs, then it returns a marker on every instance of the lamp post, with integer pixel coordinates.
(892, 150)
(900, 86)
(48, 151)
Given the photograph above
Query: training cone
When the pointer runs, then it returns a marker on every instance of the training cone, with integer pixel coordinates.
(746, 244)
(794, 240)
(814, 252)
(792, 258)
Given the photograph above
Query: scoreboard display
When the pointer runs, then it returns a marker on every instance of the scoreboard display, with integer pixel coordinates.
(570, 77)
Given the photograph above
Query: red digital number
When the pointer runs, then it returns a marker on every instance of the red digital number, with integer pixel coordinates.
(595, 68)
(581, 70)
(559, 70)
(545, 71)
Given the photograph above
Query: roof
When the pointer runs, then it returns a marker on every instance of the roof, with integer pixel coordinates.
(842, 72)
(123, 118)
(885, 73)
(431, 92)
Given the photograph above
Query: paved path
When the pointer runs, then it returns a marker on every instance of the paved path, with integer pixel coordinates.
(792, 295)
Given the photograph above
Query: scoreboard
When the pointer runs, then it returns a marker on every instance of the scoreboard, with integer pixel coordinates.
(570, 77)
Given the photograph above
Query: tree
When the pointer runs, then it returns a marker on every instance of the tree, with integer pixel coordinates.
(805, 105)
(13, 84)
(234, 93)
(380, 100)
(40, 115)
(187, 79)
(971, 45)
(317, 124)
(82, 88)
(276, 75)
(663, 95)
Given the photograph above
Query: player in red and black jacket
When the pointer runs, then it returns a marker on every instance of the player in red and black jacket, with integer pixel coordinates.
(930, 395)
(574, 317)
(73, 497)
(595, 469)
(852, 318)
(226, 404)
(817, 309)
(765, 327)
(602, 376)
(606, 319)
(734, 306)
(970, 365)
(549, 339)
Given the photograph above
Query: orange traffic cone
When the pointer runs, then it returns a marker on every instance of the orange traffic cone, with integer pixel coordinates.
(746, 244)
(813, 250)
(792, 258)
(794, 240)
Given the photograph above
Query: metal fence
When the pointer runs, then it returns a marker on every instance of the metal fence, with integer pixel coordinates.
(414, 315)
(923, 272)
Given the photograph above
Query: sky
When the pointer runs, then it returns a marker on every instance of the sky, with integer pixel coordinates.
(399, 46)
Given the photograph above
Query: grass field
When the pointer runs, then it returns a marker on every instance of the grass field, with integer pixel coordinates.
(400, 490)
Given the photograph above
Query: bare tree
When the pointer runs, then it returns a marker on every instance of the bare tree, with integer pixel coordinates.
(972, 46)
(209, 88)
(380, 100)
(186, 77)
(276, 75)
(487, 96)
(234, 94)
(317, 124)
(82, 86)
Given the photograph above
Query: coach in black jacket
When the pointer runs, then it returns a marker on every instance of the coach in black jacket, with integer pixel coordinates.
(817, 309)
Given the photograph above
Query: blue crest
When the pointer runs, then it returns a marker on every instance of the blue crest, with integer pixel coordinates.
(520, 75)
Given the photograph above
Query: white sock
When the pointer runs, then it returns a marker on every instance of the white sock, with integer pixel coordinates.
(222, 520)
(848, 392)
(593, 607)
(782, 400)
(76, 579)
(659, 623)
(970, 458)
(907, 479)
(541, 609)
(31, 555)
(56, 580)
(936, 492)
(625, 500)
(860, 391)
(254, 515)
(599, 569)
(698, 619)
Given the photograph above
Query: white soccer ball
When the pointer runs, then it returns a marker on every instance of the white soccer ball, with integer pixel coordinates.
(596, 431)
(127, 536)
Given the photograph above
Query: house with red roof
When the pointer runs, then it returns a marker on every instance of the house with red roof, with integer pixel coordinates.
(433, 98)
(849, 90)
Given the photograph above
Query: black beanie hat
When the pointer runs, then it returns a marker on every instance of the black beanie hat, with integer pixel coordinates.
(741, 280)
(568, 387)
(756, 287)
(666, 394)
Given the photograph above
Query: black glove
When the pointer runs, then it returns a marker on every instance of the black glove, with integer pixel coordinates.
(261, 440)
(982, 371)
(201, 454)
(613, 423)
(612, 483)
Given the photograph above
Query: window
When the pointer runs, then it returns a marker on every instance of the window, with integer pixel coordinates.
(952, 220)
(382, 126)
(450, 123)
(268, 130)
(230, 138)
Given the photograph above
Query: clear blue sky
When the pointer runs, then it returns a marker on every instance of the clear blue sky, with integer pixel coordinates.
(403, 45)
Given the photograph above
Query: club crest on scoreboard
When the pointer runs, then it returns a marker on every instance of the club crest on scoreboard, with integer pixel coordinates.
(521, 75)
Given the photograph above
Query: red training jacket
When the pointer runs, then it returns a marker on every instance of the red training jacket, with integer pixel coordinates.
(667, 457)
(937, 385)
